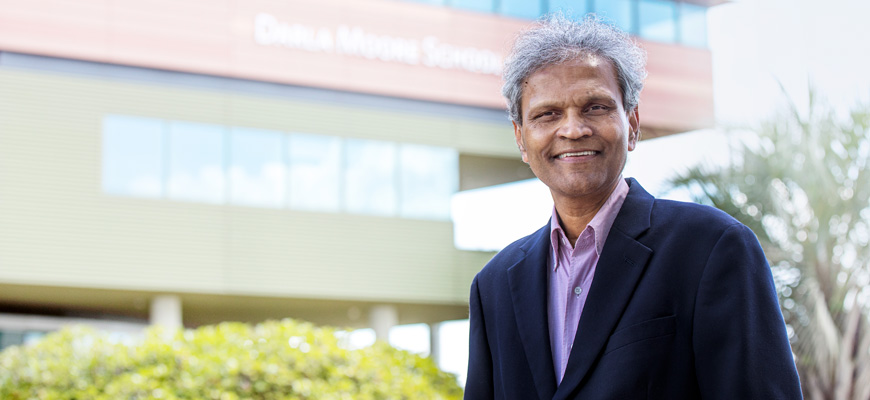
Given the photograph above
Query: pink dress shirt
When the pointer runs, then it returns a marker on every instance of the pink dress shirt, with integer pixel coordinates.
(571, 269)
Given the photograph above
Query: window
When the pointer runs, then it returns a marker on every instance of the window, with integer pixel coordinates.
(16, 338)
(11, 338)
(256, 170)
(315, 172)
(657, 20)
(693, 25)
(196, 153)
(474, 5)
(188, 161)
(370, 178)
(617, 12)
(520, 8)
(132, 150)
(414, 338)
(574, 9)
(429, 177)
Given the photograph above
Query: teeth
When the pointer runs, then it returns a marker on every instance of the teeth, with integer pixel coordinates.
(577, 154)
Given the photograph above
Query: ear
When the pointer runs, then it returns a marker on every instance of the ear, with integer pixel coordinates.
(518, 135)
(633, 128)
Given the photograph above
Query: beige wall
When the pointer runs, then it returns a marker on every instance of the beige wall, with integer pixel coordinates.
(60, 230)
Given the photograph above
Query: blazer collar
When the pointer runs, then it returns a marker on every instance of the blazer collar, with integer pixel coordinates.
(634, 216)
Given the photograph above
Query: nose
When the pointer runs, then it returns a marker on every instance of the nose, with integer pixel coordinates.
(573, 127)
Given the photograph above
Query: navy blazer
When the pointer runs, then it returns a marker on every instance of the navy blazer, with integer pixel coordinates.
(682, 306)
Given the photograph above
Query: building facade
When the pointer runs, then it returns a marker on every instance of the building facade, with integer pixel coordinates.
(194, 162)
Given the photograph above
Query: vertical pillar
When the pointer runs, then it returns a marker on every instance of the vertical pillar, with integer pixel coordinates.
(435, 343)
(381, 319)
(166, 311)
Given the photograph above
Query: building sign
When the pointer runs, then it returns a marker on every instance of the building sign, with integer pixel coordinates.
(380, 47)
(355, 41)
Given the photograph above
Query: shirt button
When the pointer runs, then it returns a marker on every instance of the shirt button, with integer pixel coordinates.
(578, 290)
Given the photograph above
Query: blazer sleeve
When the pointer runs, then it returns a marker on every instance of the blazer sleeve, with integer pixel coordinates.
(479, 381)
(740, 343)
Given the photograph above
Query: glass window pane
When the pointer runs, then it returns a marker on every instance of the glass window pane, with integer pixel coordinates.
(370, 177)
(256, 168)
(32, 337)
(315, 172)
(617, 12)
(132, 156)
(196, 162)
(574, 9)
(474, 5)
(529, 9)
(429, 178)
(657, 20)
(414, 338)
(693, 25)
(11, 338)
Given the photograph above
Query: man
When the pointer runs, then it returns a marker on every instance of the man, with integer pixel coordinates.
(621, 295)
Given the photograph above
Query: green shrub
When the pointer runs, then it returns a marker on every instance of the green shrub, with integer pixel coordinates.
(273, 360)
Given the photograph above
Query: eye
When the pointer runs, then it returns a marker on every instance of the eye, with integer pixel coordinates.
(545, 115)
(597, 109)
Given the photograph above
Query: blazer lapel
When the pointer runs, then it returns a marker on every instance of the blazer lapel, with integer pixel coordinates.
(528, 285)
(619, 268)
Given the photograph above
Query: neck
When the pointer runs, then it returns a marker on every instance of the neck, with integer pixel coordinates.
(576, 213)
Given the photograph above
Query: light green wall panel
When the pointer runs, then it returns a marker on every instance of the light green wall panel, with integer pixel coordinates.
(58, 228)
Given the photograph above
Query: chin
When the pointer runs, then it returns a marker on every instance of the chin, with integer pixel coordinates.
(578, 189)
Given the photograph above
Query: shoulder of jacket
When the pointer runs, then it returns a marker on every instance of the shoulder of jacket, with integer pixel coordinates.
(692, 215)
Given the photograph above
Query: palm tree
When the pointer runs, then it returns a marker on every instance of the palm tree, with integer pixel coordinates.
(803, 187)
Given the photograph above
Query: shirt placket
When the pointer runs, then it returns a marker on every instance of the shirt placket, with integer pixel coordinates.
(578, 274)
(570, 270)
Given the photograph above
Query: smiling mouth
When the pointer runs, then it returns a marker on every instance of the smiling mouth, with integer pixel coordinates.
(577, 154)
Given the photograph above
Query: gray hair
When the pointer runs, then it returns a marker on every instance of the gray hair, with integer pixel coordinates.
(556, 39)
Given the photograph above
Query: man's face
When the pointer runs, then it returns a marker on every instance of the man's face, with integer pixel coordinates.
(575, 133)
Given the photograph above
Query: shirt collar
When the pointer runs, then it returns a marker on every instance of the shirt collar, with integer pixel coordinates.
(600, 224)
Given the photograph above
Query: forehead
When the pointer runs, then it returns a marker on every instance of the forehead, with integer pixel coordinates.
(586, 73)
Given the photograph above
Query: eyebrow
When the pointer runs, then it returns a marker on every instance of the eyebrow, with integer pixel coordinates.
(602, 99)
(596, 98)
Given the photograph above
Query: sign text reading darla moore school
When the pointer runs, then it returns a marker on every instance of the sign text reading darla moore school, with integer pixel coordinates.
(355, 41)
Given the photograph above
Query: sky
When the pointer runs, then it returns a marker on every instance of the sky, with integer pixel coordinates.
(765, 54)
(757, 43)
